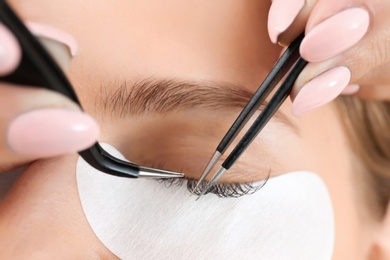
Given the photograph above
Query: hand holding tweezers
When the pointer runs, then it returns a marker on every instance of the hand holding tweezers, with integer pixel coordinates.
(37, 68)
(285, 64)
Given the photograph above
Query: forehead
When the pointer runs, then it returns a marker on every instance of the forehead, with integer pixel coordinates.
(198, 39)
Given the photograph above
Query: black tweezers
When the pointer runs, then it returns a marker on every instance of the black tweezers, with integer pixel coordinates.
(37, 68)
(286, 62)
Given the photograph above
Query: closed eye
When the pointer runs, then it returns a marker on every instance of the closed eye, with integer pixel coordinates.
(222, 190)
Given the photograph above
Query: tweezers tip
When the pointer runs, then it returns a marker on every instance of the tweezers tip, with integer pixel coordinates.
(213, 160)
(145, 172)
(208, 186)
(221, 171)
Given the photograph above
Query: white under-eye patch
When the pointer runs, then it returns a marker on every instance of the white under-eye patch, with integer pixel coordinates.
(291, 217)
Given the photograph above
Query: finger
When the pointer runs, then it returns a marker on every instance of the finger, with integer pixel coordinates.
(57, 42)
(287, 19)
(341, 50)
(377, 92)
(325, 9)
(10, 52)
(37, 123)
(377, 76)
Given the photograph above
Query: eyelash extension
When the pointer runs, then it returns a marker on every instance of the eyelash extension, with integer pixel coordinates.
(228, 190)
(222, 190)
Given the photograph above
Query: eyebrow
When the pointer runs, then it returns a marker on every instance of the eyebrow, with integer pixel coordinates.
(161, 96)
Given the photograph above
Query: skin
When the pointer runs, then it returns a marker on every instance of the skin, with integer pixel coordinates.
(205, 41)
(369, 68)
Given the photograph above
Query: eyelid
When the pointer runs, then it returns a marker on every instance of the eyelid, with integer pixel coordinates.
(240, 174)
(222, 190)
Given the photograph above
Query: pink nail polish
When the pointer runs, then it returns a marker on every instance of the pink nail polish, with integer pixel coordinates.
(50, 32)
(10, 52)
(51, 132)
(281, 15)
(335, 35)
(321, 90)
(350, 90)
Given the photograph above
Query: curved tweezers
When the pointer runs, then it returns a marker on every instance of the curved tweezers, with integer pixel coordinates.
(37, 68)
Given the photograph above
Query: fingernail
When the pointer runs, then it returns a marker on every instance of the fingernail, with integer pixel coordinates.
(10, 52)
(51, 132)
(52, 33)
(350, 90)
(281, 15)
(335, 35)
(61, 45)
(321, 90)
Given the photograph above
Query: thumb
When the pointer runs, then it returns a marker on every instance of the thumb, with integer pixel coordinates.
(287, 19)
(35, 122)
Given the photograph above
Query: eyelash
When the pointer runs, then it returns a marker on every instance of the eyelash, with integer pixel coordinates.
(222, 190)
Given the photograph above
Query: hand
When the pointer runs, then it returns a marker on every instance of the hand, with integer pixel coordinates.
(34, 122)
(347, 43)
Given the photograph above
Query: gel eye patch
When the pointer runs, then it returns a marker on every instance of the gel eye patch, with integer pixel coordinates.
(291, 217)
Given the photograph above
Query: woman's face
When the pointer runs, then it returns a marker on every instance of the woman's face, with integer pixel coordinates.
(208, 47)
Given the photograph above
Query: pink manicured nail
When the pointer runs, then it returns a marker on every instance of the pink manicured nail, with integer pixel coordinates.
(47, 31)
(321, 90)
(351, 89)
(51, 132)
(335, 35)
(10, 52)
(281, 15)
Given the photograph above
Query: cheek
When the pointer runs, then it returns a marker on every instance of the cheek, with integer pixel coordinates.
(326, 152)
(42, 213)
(321, 147)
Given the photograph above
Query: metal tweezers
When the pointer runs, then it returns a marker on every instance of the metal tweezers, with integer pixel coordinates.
(37, 68)
(285, 64)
